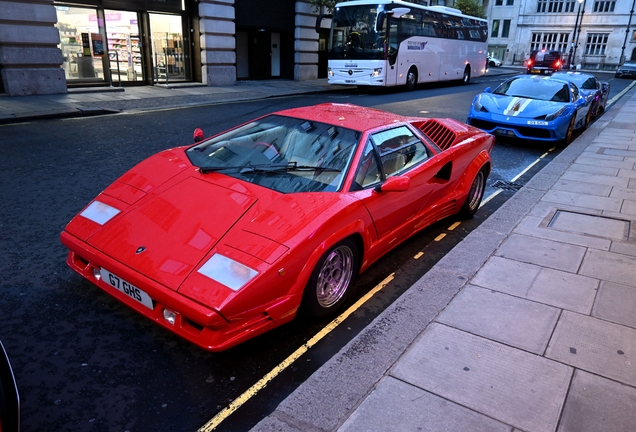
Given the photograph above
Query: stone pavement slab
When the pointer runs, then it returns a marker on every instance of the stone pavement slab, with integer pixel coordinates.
(397, 406)
(609, 266)
(547, 253)
(507, 384)
(595, 346)
(616, 303)
(503, 318)
(597, 404)
(551, 287)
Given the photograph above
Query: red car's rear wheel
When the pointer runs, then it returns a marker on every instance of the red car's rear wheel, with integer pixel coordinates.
(476, 193)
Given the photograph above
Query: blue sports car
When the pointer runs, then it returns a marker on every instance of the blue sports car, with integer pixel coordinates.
(531, 107)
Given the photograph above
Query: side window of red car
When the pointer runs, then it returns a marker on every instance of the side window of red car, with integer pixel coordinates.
(368, 172)
(399, 150)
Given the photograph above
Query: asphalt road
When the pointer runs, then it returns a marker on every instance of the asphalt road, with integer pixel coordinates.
(83, 361)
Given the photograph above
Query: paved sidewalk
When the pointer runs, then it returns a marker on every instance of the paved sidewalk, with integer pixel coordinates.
(93, 101)
(532, 326)
(104, 100)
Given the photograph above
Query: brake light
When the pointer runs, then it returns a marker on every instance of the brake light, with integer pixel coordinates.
(558, 63)
(529, 62)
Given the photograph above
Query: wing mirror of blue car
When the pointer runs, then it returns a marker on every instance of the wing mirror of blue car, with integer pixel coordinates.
(198, 135)
(394, 184)
(487, 90)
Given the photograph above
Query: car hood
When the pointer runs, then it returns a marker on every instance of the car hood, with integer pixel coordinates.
(167, 235)
(627, 68)
(518, 106)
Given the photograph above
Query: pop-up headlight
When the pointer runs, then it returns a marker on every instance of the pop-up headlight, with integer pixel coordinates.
(230, 273)
(99, 212)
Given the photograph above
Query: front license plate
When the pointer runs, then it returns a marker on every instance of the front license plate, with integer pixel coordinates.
(127, 288)
(537, 122)
(350, 81)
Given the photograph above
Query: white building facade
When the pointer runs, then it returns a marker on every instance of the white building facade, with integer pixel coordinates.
(604, 29)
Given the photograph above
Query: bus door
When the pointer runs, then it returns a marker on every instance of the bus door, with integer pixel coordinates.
(393, 45)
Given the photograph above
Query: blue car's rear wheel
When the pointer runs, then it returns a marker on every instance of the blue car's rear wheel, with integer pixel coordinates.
(329, 283)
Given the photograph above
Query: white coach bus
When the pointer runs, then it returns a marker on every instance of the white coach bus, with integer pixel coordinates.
(389, 43)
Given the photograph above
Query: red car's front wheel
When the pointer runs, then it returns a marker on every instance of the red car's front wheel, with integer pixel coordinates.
(330, 281)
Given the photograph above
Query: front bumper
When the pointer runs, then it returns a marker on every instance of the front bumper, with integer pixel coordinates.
(510, 127)
(201, 325)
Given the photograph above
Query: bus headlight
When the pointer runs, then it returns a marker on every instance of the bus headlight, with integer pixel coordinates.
(376, 72)
(329, 72)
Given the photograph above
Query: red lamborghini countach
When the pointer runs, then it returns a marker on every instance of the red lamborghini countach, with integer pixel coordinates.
(224, 239)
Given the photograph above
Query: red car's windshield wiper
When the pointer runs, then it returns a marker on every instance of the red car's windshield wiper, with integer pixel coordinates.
(267, 168)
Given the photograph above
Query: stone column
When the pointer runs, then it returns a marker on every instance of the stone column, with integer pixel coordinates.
(218, 45)
(30, 61)
(306, 43)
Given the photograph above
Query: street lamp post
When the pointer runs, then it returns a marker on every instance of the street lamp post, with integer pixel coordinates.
(577, 32)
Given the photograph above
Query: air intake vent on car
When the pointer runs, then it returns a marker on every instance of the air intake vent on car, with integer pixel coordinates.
(439, 133)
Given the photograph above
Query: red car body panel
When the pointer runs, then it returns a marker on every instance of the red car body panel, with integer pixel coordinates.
(183, 217)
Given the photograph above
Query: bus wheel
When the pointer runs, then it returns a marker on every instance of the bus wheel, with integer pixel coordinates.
(466, 78)
(411, 79)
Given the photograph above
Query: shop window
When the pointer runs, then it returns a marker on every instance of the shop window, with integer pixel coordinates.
(81, 43)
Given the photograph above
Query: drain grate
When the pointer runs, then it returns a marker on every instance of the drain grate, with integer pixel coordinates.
(506, 185)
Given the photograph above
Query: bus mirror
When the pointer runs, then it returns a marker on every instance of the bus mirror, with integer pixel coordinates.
(319, 20)
(379, 24)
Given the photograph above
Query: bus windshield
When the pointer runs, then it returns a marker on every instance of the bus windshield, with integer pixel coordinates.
(354, 34)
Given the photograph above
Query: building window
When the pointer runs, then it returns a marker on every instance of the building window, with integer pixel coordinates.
(596, 44)
(510, 2)
(550, 41)
(604, 5)
(555, 6)
(505, 31)
(499, 3)
(495, 28)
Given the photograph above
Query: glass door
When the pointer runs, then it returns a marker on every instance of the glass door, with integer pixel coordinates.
(169, 55)
(124, 46)
(82, 44)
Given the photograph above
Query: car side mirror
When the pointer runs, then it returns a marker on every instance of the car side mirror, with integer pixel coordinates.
(394, 184)
(487, 90)
(198, 135)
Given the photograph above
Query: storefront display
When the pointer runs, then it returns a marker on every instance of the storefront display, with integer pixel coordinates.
(107, 45)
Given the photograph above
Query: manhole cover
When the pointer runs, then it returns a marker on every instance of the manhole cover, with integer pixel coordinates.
(592, 225)
(506, 185)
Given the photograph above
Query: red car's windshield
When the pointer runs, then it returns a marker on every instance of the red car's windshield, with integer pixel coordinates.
(281, 153)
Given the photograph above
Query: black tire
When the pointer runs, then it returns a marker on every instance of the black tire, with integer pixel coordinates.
(570, 132)
(475, 195)
(411, 79)
(466, 77)
(588, 118)
(331, 279)
(492, 63)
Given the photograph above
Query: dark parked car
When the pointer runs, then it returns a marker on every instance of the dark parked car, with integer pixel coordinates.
(627, 70)
(544, 62)
(9, 398)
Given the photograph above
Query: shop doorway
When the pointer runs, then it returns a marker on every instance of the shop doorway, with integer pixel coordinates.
(169, 57)
(124, 46)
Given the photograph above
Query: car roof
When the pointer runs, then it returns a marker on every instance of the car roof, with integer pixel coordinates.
(346, 115)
